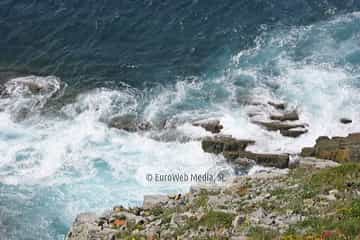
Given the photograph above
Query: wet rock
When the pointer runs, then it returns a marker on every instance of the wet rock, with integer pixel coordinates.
(126, 122)
(170, 135)
(345, 120)
(219, 144)
(290, 116)
(234, 151)
(293, 133)
(278, 106)
(276, 126)
(129, 123)
(212, 126)
(267, 160)
(339, 149)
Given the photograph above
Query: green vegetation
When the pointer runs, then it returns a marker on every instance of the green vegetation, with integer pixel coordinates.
(259, 233)
(215, 219)
(341, 178)
(202, 200)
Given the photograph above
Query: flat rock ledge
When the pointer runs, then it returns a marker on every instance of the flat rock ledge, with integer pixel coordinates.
(234, 151)
(299, 203)
(284, 120)
(339, 149)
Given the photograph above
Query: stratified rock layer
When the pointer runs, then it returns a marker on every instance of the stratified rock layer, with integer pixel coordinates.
(233, 149)
(340, 149)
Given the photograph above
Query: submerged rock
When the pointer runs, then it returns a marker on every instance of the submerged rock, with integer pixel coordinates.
(339, 149)
(212, 126)
(129, 123)
(293, 133)
(345, 120)
(125, 122)
(219, 144)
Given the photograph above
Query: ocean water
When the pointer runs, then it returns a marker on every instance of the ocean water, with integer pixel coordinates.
(173, 61)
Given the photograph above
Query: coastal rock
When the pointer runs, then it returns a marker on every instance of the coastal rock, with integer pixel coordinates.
(125, 122)
(151, 201)
(345, 120)
(313, 163)
(170, 135)
(267, 160)
(307, 152)
(278, 106)
(267, 203)
(234, 151)
(287, 130)
(289, 116)
(219, 144)
(293, 132)
(276, 126)
(212, 126)
(85, 227)
(339, 149)
(129, 123)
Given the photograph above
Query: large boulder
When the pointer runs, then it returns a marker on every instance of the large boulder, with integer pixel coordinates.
(212, 126)
(339, 149)
(220, 144)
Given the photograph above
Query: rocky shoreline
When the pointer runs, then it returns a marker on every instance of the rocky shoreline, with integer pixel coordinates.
(317, 198)
(312, 195)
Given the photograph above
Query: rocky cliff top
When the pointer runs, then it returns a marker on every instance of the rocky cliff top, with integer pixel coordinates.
(318, 198)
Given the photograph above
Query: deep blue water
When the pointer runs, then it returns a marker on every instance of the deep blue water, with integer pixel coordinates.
(160, 60)
(105, 43)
